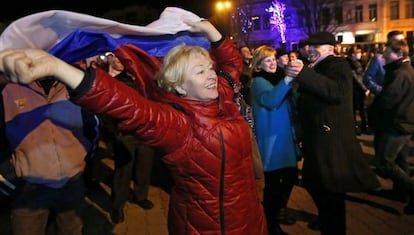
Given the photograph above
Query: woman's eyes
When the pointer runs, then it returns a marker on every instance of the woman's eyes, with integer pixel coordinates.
(202, 71)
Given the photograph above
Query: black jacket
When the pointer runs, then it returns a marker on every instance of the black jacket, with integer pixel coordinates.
(393, 108)
(333, 158)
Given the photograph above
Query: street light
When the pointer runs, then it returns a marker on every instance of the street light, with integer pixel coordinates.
(224, 10)
(223, 6)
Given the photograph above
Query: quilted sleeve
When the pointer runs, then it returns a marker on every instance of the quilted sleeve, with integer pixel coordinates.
(156, 124)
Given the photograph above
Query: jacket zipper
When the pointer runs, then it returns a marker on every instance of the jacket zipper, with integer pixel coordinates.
(221, 195)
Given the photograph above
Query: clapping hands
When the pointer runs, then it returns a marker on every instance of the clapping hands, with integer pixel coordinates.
(294, 68)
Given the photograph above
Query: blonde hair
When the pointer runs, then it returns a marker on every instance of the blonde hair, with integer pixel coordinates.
(175, 64)
(259, 55)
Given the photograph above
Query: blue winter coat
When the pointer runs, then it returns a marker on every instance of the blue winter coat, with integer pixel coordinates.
(273, 125)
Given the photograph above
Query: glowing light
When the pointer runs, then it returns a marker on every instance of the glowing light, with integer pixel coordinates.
(223, 5)
(277, 18)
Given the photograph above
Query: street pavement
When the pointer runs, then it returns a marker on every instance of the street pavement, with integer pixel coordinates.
(371, 213)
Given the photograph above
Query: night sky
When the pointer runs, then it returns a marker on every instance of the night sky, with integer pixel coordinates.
(97, 7)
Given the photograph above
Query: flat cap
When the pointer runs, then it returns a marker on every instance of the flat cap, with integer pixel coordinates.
(321, 38)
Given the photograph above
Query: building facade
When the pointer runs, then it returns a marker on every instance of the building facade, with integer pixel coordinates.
(361, 22)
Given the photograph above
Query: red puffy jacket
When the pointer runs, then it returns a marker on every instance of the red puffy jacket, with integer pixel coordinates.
(206, 144)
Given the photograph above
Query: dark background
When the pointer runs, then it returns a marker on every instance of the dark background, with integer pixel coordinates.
(203, 8)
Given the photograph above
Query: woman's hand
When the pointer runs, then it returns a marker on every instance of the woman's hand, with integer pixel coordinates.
(27, 65)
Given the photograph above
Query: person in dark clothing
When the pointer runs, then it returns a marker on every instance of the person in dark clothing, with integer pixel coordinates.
(246, 76)
(360, 91)
(333, 159)
(394, 123)
(133, 160)
(282, 57)
(375, 72)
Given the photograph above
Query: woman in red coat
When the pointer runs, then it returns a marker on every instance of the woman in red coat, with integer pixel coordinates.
(191, 117)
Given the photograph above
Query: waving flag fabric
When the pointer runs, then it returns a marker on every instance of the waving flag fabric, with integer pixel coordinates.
(82, 43)
(83, 36)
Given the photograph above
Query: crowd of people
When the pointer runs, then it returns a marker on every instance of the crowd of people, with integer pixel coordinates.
(331, 89)
(307, 105)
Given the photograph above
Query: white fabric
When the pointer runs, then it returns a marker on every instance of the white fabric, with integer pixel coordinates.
(45, 29)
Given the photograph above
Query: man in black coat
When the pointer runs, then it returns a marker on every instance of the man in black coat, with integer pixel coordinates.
(333, 159)
(393, 112)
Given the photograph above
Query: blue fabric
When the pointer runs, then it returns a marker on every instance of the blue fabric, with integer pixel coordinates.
(373, 77)
(82, 44)
(273, 127)
(63, 113)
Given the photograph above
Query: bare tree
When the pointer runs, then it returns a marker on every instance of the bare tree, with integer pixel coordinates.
(318, 15)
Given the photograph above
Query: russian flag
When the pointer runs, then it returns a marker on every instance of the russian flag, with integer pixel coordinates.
(73, 36)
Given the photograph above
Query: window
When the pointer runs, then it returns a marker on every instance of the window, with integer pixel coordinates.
(409, 9)
(372, 12)
(301, 19)
(266, 22)
(325, 16)
(394, 10)
(358, 14)
(256, 23)
(349, 18)
(365, 38)
(338, 15)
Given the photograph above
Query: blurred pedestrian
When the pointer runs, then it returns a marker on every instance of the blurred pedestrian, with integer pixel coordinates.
(374, 77)
(374, 72)
(394, 126)
(133, 160)
(293, 56)
(246, 76)
(282, 57)
(360, 91)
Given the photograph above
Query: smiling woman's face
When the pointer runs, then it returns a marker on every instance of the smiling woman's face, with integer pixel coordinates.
(269, 64)
(200, 79)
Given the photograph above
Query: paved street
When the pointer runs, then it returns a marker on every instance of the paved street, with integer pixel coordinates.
(375, 213)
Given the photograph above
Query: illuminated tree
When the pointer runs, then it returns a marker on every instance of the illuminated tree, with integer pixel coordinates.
(277, 18)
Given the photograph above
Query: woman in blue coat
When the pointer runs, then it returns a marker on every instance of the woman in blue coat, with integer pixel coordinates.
(274, 112)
